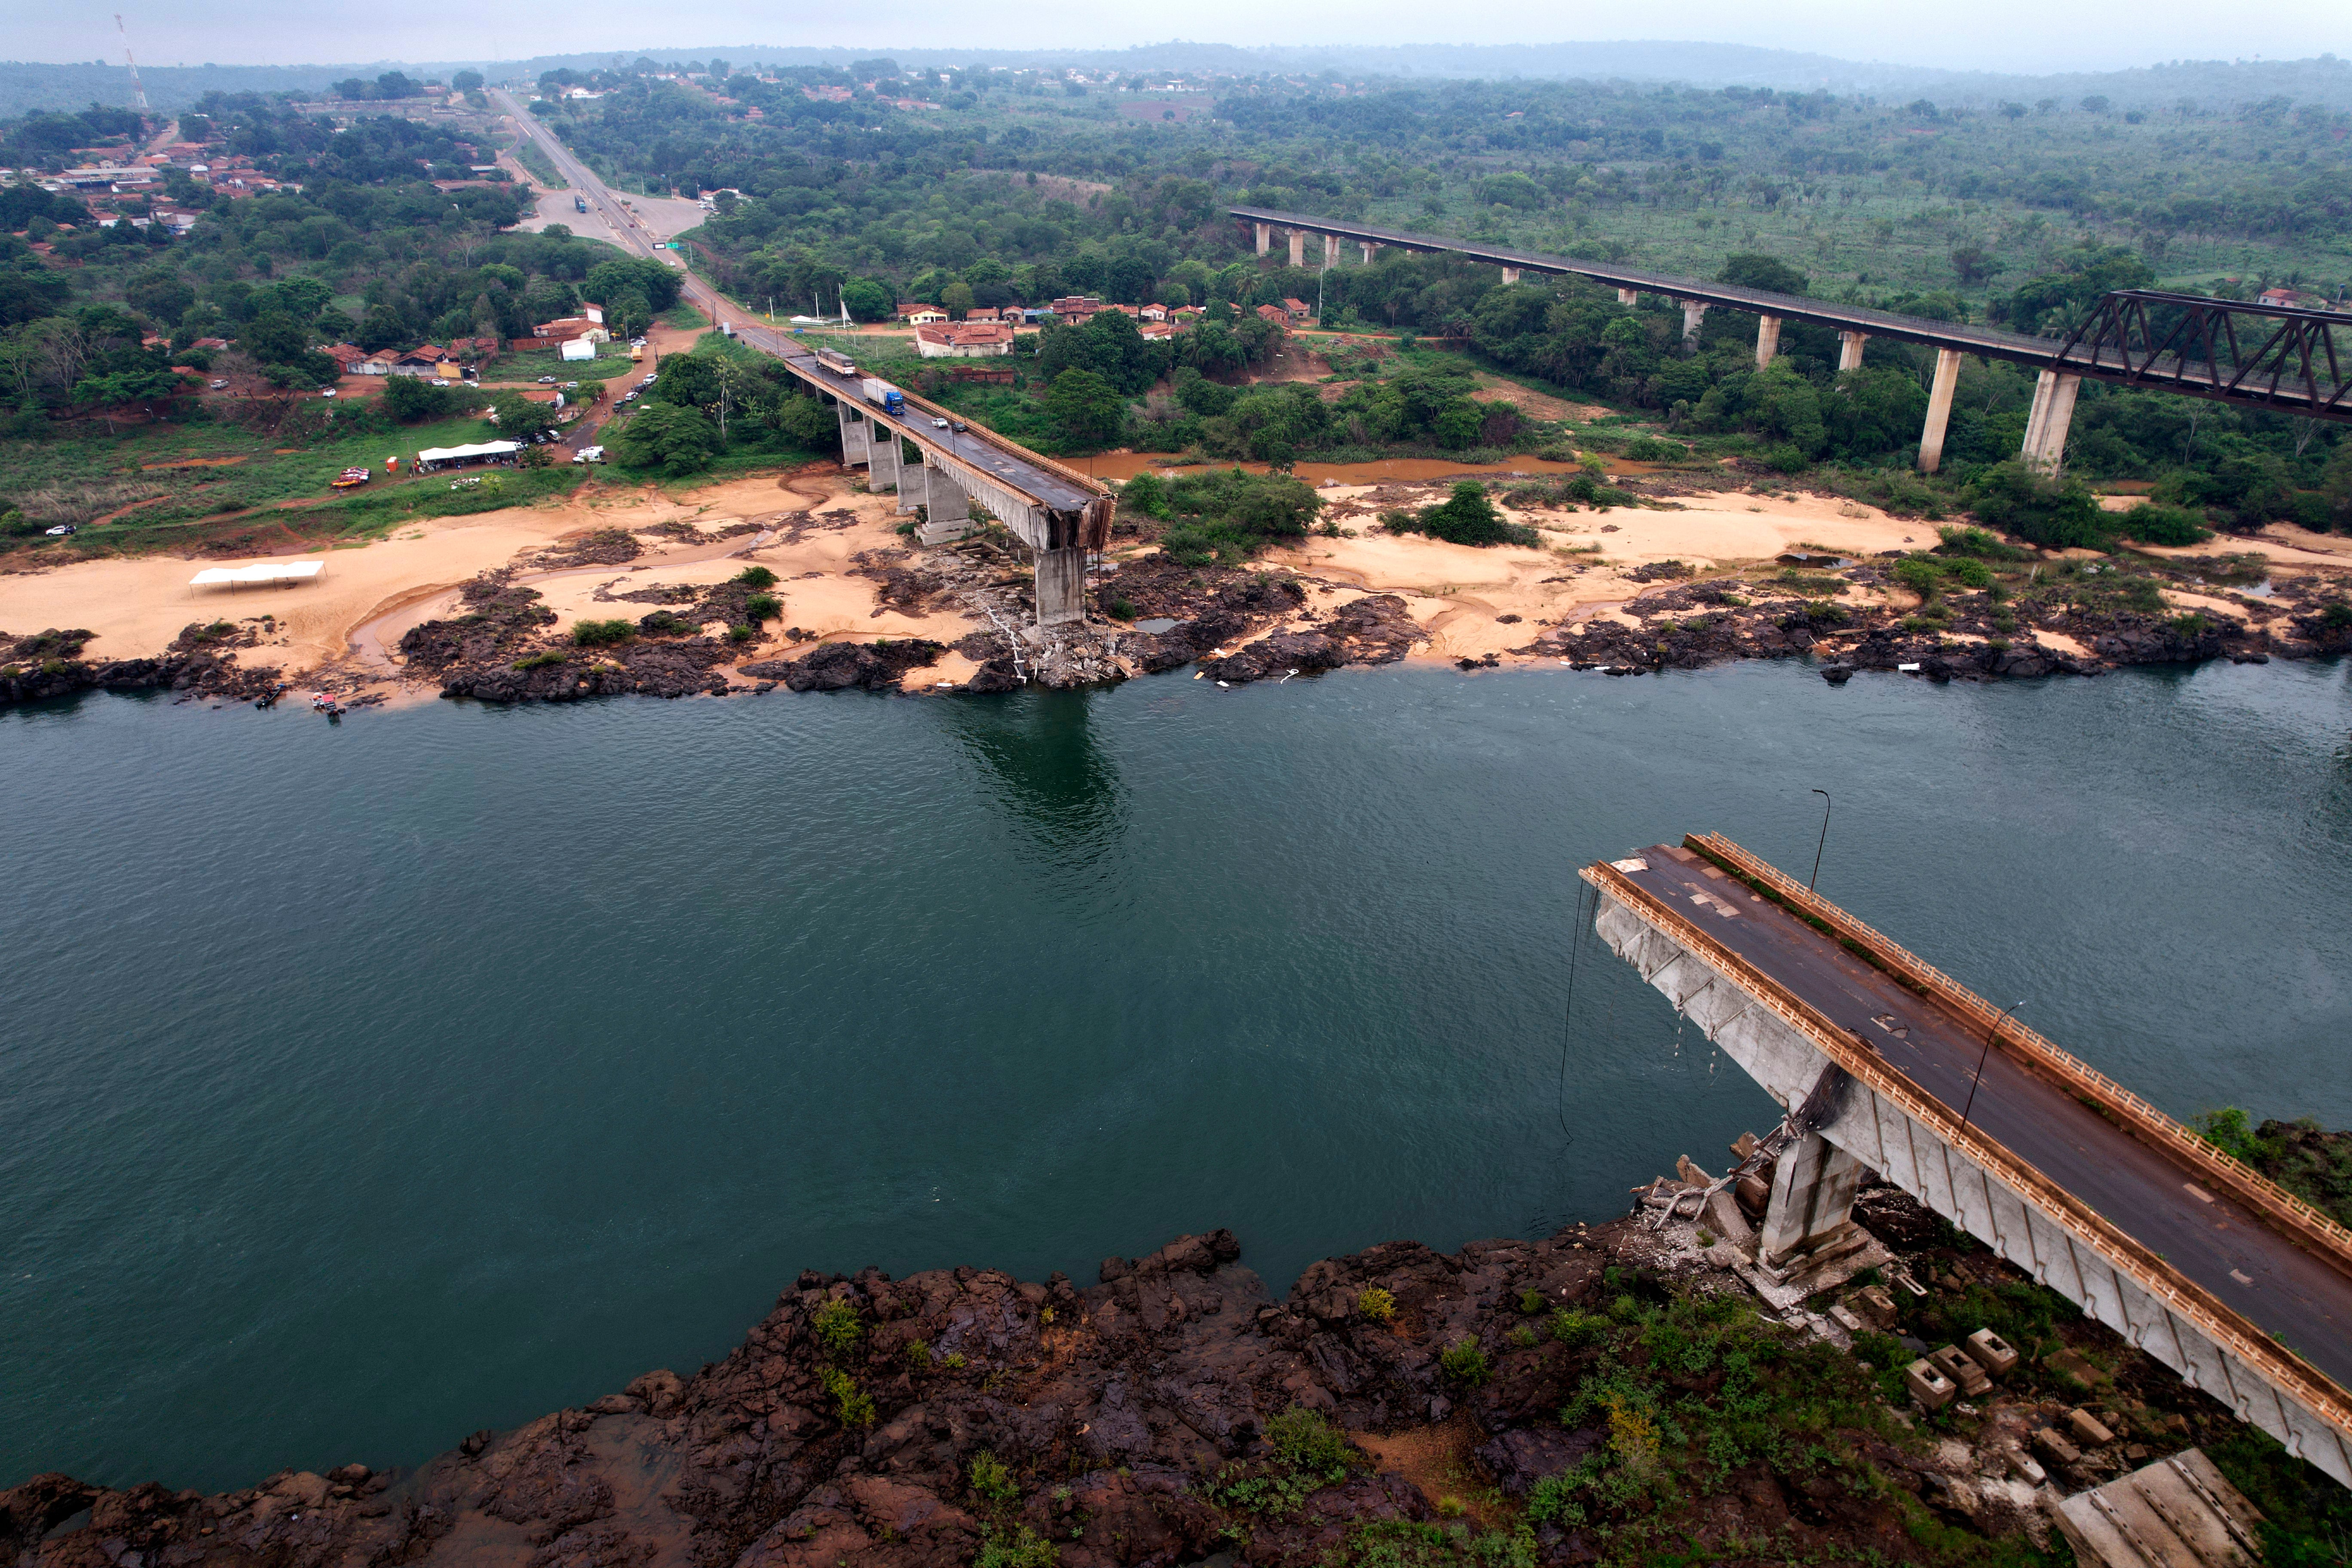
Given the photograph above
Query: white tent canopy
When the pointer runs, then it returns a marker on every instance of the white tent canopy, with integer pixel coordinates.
(265, 571)
(466, 454)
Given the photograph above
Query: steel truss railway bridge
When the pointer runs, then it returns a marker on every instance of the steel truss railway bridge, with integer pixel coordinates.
(2278, 358)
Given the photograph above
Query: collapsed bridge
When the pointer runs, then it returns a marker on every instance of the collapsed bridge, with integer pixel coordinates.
(2240, 1288)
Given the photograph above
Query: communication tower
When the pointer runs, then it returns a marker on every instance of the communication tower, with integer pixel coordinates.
(137, 91)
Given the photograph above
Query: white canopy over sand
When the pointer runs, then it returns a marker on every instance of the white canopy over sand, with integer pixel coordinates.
(266, 571)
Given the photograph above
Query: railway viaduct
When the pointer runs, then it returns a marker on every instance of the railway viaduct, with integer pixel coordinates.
(2274, 357)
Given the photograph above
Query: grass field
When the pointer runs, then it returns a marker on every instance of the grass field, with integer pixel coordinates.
(612, 360)
(170, 485)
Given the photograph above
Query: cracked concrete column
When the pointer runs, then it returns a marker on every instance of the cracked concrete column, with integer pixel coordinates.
(1264, 236)
(2046, 426)
(1813, 1198)
(1628, 298)
(1850, 349)
(1768, 340)
(1939, 409)
(1298, 248)
(1061, 587)
(1693, 313)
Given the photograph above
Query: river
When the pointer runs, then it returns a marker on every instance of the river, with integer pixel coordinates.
(368, 1084)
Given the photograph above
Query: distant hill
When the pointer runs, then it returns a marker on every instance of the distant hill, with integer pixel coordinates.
(2213, 84)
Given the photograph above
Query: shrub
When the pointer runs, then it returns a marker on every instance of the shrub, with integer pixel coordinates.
(1019, 1548)
(1465, 1364)
(918, 1352)
(597, 634)
(540, 660)
(1305, 1441)
(1573, 1328)
(838, 1329)
(761, 608)
(1467, 517)
(665, 623)
(2155, 523)
(1377, 1303)
(756, 577)
(852, 1403)
(1977, 542)
(741, 633)
(1122, 609)
(2060, 514)
(1531, 1300)
(992, 1479)
(1145, 493)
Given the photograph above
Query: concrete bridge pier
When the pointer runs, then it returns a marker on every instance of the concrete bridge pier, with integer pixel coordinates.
(2047, 425)
(1332, 257)
(1628, 298)
(882, 468)
(1768, 340)
(1850, 349)
(1510, 276)
(856, 444)
(1693, 313)
(1264, 236)
(1061, 587)
(1811, 1206)
(947, 511)
(914, 479)
(1298, 248)
(1939, 409)
(1369, 249)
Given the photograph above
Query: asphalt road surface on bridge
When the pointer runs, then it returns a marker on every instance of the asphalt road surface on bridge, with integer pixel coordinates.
(2225, 1247)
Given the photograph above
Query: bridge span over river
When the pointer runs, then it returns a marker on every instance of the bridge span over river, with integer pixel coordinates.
(2280, 358)
(2242, 1288)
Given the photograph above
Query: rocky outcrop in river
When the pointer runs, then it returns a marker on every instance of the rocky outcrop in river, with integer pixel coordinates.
(201, 662)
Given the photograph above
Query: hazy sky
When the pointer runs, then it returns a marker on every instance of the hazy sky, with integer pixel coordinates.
(2029, 35)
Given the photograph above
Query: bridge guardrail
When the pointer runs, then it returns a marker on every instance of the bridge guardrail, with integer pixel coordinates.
(2221, 1324)
(2302, 1221)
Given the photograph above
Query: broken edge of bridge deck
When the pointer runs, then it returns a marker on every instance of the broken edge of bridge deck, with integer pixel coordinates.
(1917, 1142)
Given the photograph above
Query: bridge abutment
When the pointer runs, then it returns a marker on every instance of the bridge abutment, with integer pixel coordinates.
(1939, 409)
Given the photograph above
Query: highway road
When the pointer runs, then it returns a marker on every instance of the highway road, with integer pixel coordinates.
(1045, 483)
(2225, 1247)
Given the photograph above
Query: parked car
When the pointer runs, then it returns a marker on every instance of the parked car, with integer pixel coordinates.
(62, 530)
(326, 391)
(547, 381)
(219, 382)
(589, 455)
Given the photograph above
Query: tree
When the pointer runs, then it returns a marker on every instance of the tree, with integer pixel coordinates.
(520, 418)
(466, 81)
(1089, 408)
(412, 399)
(1752, 270)
(676, 439)
(1467, 517)
(956, 299)
(867, 300)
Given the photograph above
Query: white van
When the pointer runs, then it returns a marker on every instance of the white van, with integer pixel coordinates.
(589, 455)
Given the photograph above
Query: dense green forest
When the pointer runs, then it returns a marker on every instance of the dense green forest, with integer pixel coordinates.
(862, 185)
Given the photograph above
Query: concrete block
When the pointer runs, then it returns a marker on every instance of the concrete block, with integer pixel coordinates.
(1844, 1319)
(2055, 1448)
(2086, 1428)
(1927, 1385)
(1990, 1352)
(1724, 1218)
(1876, 1304)
(1954, 1364)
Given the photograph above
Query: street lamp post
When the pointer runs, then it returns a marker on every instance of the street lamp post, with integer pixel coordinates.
(1824, 841)
(1990, 1035)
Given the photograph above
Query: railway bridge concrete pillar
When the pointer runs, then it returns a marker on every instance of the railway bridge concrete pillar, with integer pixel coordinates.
(1331, 251)
(1628, 298)
(1693, 313)
(1264, 236)
(1369, 249)
(2051, 416)
(1813, 1200)
(1298, 248)
(1768, 340)
(1850, 349)
(1939, 409)
(1510, 276)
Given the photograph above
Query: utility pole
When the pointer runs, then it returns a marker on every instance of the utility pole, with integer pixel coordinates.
(137, 91)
